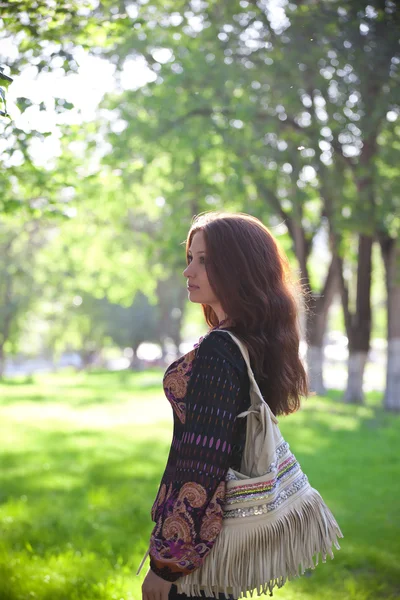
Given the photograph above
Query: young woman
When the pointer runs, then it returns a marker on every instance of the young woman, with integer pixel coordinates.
(236, 271)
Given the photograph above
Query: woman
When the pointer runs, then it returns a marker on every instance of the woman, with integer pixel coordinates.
(237, 272)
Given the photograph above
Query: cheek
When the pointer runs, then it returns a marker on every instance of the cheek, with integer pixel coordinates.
(204, 278)
(205, 283)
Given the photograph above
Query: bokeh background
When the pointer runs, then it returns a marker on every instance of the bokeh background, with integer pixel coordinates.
(123, 121)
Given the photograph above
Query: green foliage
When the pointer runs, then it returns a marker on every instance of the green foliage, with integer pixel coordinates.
(279, 119)
(21, 241)
(283, 117)
(5, 81)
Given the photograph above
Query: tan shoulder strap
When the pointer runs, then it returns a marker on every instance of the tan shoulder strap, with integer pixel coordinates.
(262, 432)
(255, 392)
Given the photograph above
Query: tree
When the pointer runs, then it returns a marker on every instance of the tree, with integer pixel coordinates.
(42, 37)
(332, 113)
(388, 202)
(278, 113)
(20, 244)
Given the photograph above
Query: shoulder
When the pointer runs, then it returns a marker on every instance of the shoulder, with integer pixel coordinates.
(219, 344)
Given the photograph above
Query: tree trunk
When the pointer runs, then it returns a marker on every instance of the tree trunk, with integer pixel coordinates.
(2, 362)
(134, 364)
(315, 369)
(171, 296)
(392, 392)
(316, 325)
(354, 393)
(359, 323)
(9, 314)
(390, 249)
(181, 306)
(318, 303)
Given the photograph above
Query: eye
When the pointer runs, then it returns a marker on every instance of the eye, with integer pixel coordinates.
(201, 259)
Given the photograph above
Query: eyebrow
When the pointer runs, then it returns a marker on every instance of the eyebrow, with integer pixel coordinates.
(199, 252)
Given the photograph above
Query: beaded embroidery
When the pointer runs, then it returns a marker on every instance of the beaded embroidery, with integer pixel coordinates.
(263, 489)
(269, 506)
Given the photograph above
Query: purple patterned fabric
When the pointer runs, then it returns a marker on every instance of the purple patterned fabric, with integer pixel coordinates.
(207, 388)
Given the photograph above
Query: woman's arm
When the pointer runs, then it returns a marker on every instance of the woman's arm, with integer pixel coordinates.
(191, 515)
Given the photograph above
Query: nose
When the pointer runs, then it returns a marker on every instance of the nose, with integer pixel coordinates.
(188, 271)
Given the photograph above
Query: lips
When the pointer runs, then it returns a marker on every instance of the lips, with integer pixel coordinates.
(192, 287)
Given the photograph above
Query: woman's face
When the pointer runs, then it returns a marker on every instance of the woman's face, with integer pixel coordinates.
(196, 273)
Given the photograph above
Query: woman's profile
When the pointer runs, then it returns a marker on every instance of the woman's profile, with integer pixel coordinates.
(237, 272)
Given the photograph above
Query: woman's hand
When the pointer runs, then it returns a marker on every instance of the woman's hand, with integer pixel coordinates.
(155, 588)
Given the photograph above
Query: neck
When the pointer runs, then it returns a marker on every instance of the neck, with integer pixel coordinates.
(220, 313)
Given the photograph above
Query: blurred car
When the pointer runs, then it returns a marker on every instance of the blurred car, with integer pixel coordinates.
(70, 359)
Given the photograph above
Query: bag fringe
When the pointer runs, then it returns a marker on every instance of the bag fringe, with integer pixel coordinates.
(235, 565)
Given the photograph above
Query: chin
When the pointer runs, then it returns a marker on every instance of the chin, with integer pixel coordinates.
(196, 301)
(195, 297)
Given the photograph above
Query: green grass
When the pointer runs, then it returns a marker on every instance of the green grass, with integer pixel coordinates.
(81, 457)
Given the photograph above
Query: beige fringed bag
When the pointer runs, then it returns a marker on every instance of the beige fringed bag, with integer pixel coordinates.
(274, 522)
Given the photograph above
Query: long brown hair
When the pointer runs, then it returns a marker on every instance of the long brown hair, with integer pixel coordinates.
(250, 275)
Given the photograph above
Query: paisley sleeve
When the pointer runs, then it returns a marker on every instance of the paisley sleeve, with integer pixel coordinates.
(191, 516)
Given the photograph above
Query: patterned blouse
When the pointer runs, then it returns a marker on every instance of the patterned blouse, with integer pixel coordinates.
(207, 388)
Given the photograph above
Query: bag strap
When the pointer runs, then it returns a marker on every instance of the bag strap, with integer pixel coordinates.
(143, 561)
(254, 406)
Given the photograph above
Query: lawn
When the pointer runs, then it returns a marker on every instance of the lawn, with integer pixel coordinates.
(80, 460)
